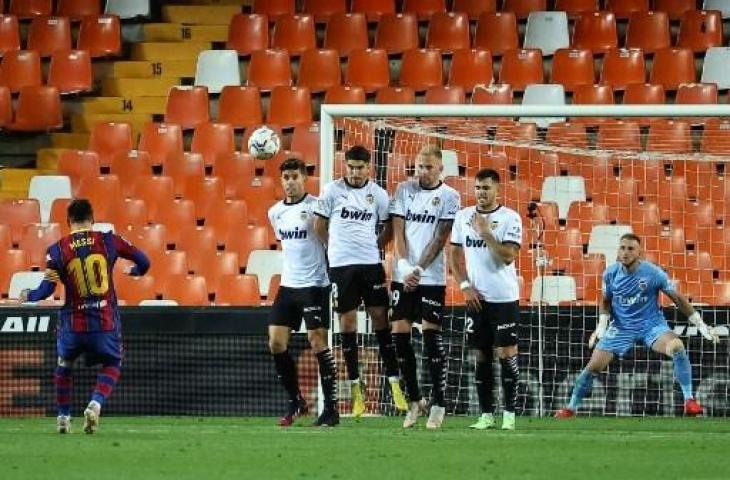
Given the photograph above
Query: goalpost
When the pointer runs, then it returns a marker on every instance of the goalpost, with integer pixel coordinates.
(580, 176)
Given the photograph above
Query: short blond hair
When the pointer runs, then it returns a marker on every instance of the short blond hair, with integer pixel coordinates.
(431, 150)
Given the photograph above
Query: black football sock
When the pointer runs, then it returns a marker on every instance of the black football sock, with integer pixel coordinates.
(349, 351)
(387, 352)
(407, 360)
(510, 378)
(484, 382)
(436, 356)
(287, 372)
(328, 375)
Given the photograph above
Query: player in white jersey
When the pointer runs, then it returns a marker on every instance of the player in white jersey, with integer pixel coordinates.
(303, 294)
(422, 213)
(485, 242)
(349, 212)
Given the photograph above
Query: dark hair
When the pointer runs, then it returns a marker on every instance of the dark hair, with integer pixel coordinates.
(358, 152)
(431, 150)
(79, 211)
(293, 164)
(631, 236)
(486, 173)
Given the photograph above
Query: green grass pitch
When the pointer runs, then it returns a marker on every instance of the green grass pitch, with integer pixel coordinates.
(374, 448)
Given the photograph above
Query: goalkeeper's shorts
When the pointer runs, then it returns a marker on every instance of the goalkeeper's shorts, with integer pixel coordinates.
(619, 341)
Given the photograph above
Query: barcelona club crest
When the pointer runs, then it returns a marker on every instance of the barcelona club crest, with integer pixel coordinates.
(642, 284)
(369, 198)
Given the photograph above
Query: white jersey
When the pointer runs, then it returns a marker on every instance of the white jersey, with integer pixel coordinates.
(353, 215)
(489, 275)
(422, 209)
(304, 262)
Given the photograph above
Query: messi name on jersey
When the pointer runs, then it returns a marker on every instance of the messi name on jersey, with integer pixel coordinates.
(424, 217)
(356, 214)
(295, 234)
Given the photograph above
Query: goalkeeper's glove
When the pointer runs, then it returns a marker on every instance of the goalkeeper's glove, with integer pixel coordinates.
(600, 330)
(706, 331)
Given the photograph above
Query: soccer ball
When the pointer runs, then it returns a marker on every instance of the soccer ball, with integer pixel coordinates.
(263, 143)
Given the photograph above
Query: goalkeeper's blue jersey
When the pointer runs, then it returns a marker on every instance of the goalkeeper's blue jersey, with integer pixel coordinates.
(635, 296)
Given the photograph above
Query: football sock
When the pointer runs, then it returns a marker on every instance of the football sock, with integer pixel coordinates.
(583, 385)
(63, 380)
(105, 382)
(328, 374)
(683, 373)
(407, 360)
(510, 379)
(387, 352)
(484, 382)
(349, 351)
(287, 373)
(433, 344)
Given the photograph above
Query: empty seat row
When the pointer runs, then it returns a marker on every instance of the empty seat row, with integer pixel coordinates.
(38, 109)
(70, 71)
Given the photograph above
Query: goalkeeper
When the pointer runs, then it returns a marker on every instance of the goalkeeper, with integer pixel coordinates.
(631, 289)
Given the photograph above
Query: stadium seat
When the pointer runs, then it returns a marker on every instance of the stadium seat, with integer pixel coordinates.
(163, 141)
(259, 194)
(240, 106)
(397, 33)
(523, 8)
(575, 8)
(585, 215)
(188, 167)
(238, 290)
(176, 215)
(46, 188)
(216, 69)
(197, 242)
(6, 107)
(58, 213)
(323, 10)
(421, 69)
(225, 215)
(243, 239)
(31, 8)
(521, 68)
(604, 240)
(78, 164)
(248, 33)
(675, 8)
(187, 106)
(715, 139)
(206, 193)
(38, 110)
(290, 106)
(294, 33)
(395, 95)
(547, 31)
(102, 191)
(214, 265)
(48, 35)
(346, 32)
(368, 69)
(128, 9)
(264, 264)
(152, 239)
(553, 289)
(697, 93)
(129, 166)
(470, 67)
(445, 94)
(345, 94)
(109, 139)
(424, 9)
(11, 261)
(373, 9)
(648, 31)
(595, 31)
(128, 212)
(619, 135)
(700, 30)
(716, 67)
(188, 290)
(564, 246)
(592, 95)
(566, 135)
(77, 9)
(9, 34)
(6, 240)
(673, 67)
(213, 141)
(624, 8)
(274, 8)
(268, 69)
(70, 72)
(644, 94)
(319, 70)
(132, 290)
(497, 32)
(543, 94)
(622, 67)
(669, 136)
(35, 242)
(573, 68)
(448, 31)
(101, 36)
(474, 8)
(563, 191)
(305, 140)
(494, 94)
(235, 168)
(20, 68)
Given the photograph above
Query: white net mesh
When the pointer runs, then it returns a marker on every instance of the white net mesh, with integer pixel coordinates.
(592, 179)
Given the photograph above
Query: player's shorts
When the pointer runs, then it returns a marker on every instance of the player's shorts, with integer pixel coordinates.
(97, 347)
(619, 341)
(292, 305)
(494, 326)
(355, 284)
(425, 302)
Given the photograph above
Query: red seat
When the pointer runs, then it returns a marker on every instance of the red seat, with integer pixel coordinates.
(163, 141)
(421, 69)
(186, 290)
(226, 214)
(11, 261)
(127, 212)
(521, 68)
(345, 94)
(35, 241)
(241, 290)
(592, 95)
(425, 9)
(70, 71)
(274, 8)
(31, 8)
(697, 93)
(6, 240)
(573, 68)
(20, 68)
(669, 136)
(644, 93)
(619, 135)
(248, 33)
(474, 8)
(78, 164)
(188, 167)
(102, 191)
(675, 8)
(673, 67)
(101, 36)
(214, 266)
(445, 94)
(197, 242)
(48, 35)
(319, 70)
(715, 139)
(575, 8)
(648, 31)
(58, 215)
(157, 192)
(213, 141)
(368, 69)
(324, 9)
(497, 32)
(233, 169)
(290, 106)
(6, 107)
(38, 110)
(595, 31)
(624, 8)
(397, 33)
(495, 94)
(305, 140)
(373, 9)
(240, 106)
(109, 139)
(269, 68)
(700, 30)
(152, 240)
(259, 194)
(448, 31)
(346, 32)
(206, 193)
(523, 8)
(129, 166)
(177, 216)
(395, 95)
(78, 9)
(623, 67)
(294, 33)
(132, 290)
(243, 239)
(470, 67)
(9, 34)
(187, 106)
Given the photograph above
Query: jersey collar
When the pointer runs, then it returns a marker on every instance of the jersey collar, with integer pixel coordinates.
(298, 201)
(353, 186)
(80, 230)
(499, 205)
(431, 188)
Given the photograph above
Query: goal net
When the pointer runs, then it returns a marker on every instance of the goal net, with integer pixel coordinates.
(580, 177)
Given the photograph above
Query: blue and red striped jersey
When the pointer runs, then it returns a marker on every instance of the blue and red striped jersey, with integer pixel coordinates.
(84, 262)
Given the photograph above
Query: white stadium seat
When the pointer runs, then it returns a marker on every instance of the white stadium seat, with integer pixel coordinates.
(264, 264)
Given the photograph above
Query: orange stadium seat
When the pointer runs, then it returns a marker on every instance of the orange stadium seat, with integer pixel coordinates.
(234, 168)
(206, 193)
(188, 167)
(644, 93)
(474, 8)
(240, 290)
(470, 67)
(595, 31)
(163, 141)
(240, 106)
(168, 262)
(269, 68)
(78, 9)
(425, 9)
(619, 135)
(397, 33)
(373, 9)
(648, 31)
(305, 140)
(669, 136)
(35, 241)
(132, 290)
(248, 33)
(20, 68)
(673, 67)
(445, 94)
(523, 8)
(319, 70)
(274, 8)
(38, 110)
(70, 71)
(624, 8)
(345, 94)
(9, 34)
(521, 68)
(109, 139)
(346, 32)
(11, 261)
(573, 68)
(48, 35)
(127, 212)
(497, 32)
(129, 166)
(294, 33)
(368, 69)
(31, 8)
(623, 67)
(101, 36)
(696, 93)
(176, 215)
(58, 213)
(213, 141)
(187, 106)
(78, 164)
(700, 30)
(495, 94)
(323, 10)
(186, 290)
(675, 8)
(214, 265)
(575, 8)
(290, 106)
(715, 139)
(226, 214)
(395, 95)
(259, 194)
(592, 95)
(102, 191)
(6, 107)
(18, 213)
(196, 241)
(585, 215)
(448, 31)
(151, 239)
(243, 239)
(421, 69)
(6, 240)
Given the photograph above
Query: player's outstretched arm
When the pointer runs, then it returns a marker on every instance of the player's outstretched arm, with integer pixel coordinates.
(457, 263)
(693, 316)
(130, 252)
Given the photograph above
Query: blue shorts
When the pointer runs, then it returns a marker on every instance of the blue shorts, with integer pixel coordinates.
(97, 347)
(619, 341)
